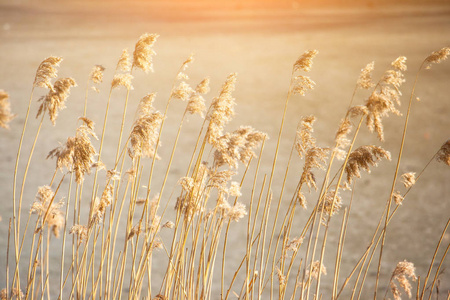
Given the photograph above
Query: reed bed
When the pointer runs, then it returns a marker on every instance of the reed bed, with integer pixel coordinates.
(109, 219)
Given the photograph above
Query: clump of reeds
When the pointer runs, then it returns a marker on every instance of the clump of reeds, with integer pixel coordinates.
(113, 249)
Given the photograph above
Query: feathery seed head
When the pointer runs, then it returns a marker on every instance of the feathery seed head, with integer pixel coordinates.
(55, 100)
(403, 270)
(169, 225)
(381, 101)
(341, 137)
(304, 138)
(380, 104)
(190, 200)
(398, 198)
(203, 86)
(281, 278)
(122, 80)
(43, 203)
(221, 111)
(330, 205)
(301, 84)
(220, 179)
(437, 56)
(15, 294)
(315, 158)
(97, 74)
(143, 52)
(78, 153)
(236, 212)
(302, 199)
(89, 123)
(112, 175)
(235, 189)
(43, 197)
(315, 269)
(444, 153)
(144, 135)
(101, 204)
(183, 91)
(56, 221)
(80, 231)
(5, 110)
(409, 179)
(181, 75)
(365, 78)
(399, 63)
(131, 174)
(394, 78)
(237, 146)
(304, 62)
(294, 244)
(124, 64)
(196, 105)
(363, 158)
(146, 105)
(187, 184)
(357, 110)
(46, 71)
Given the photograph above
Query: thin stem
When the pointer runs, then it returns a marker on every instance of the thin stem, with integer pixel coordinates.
(16, 222)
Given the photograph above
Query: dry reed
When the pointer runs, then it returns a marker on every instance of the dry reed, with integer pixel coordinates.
(278, 259)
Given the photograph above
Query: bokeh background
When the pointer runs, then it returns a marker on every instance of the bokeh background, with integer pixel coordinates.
(260, 40)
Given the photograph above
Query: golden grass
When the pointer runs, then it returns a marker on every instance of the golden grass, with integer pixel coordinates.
(280, 260)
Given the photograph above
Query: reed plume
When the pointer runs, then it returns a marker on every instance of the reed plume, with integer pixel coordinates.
(400, 63)
(221, 111)
(363, 158)
(181, 74)
(365, 78)
(315, 157)
(96, 76)
(144, 134)
(14, 294)
(124, 63)
(101, 204)
(183, 91)
(55, 100)
(315, 268)
(443, 154)
(382, 101)
(437, 57)
(46, 71)
(305, 61)
(234, 213)
(402, 272)
(330, 205)
(237, 146)
(189, 201)
(77, 154)
(143, 52)
(304, 139)
(5, 110)
(409, 179)
(196, 103)
(80, 231)
(122, 80)
(44, 205)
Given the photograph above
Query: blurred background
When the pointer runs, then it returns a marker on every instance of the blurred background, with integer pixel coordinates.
(260, 40)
